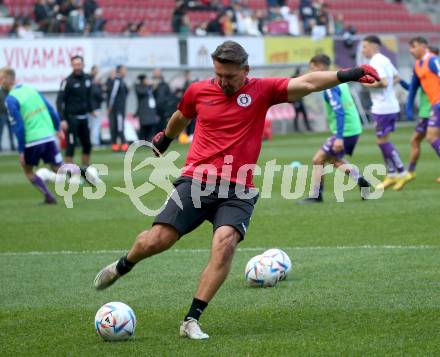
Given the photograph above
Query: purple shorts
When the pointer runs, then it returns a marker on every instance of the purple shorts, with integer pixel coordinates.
(48, 152)
(385, 123)
(349, 145)
(422, 126)
(434, 122)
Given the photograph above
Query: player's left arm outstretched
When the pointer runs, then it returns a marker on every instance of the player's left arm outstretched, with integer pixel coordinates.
(317, 81)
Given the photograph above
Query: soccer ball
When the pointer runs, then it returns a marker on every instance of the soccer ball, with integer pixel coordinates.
(115, 321)
(281, 260)
(261, 271)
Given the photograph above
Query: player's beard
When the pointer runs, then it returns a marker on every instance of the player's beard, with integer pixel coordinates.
(228, 91)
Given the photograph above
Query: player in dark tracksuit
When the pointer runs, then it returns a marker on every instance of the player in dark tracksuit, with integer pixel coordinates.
(116, 109)
(74, 106)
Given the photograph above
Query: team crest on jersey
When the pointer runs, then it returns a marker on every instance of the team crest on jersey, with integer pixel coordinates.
(244, 100)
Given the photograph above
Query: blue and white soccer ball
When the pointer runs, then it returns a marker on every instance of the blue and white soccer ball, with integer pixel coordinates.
(115, 321)
(262, 271)
(281, 260)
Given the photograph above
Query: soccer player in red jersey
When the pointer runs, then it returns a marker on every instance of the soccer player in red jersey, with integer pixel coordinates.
(230, 110)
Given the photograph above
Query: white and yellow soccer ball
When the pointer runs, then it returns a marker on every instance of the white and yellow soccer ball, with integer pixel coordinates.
(281, 260)
(261, 271)
(115, 321)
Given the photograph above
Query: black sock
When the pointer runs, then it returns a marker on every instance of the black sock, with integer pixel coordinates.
(124, 266)
(83, 171)
(362, 182)
(196, 309)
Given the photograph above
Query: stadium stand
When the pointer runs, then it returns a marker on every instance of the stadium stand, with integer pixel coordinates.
(377, 16)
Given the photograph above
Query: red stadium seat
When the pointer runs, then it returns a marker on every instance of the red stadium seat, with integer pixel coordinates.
(367, 16)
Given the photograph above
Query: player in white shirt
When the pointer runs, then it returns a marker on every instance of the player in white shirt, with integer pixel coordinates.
(385, 109)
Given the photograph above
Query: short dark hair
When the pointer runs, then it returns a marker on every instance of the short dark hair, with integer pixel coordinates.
(321, 59)
(119, 67)
(418, 39)
(373, 39)
(230, 52)
(434, 50)
(77, 57)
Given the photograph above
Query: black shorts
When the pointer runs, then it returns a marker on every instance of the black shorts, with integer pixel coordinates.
(227, 211)
(78, 129)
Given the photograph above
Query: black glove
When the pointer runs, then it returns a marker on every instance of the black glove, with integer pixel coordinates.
(161, 142)
(363, 74)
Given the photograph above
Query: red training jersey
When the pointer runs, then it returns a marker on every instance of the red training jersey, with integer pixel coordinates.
(228, 133)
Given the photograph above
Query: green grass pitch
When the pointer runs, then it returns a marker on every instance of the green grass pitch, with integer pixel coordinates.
(365, 279)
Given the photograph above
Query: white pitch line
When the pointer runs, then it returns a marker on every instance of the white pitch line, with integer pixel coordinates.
(119, 251)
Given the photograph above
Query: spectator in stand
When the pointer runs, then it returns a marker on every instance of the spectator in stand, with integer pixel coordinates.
(90, 7)
(25, 30)
(54, 14)
(14, 28)
(251, 24)
(201, 29)
(318, 31)
(66, 9)
(292, 18)
(185, 27)
(323, 17)
(228, 27)
(214, 26)
(146, 109)
(97, 22)
(77, 21)
(275, 14)
(42, 15)
(307, 14)
(163, 96)
(237, 12)
(338, 29)
(261, 21)
(177, 16)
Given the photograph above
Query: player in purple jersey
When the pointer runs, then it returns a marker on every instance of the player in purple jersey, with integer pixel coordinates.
(385, 109)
